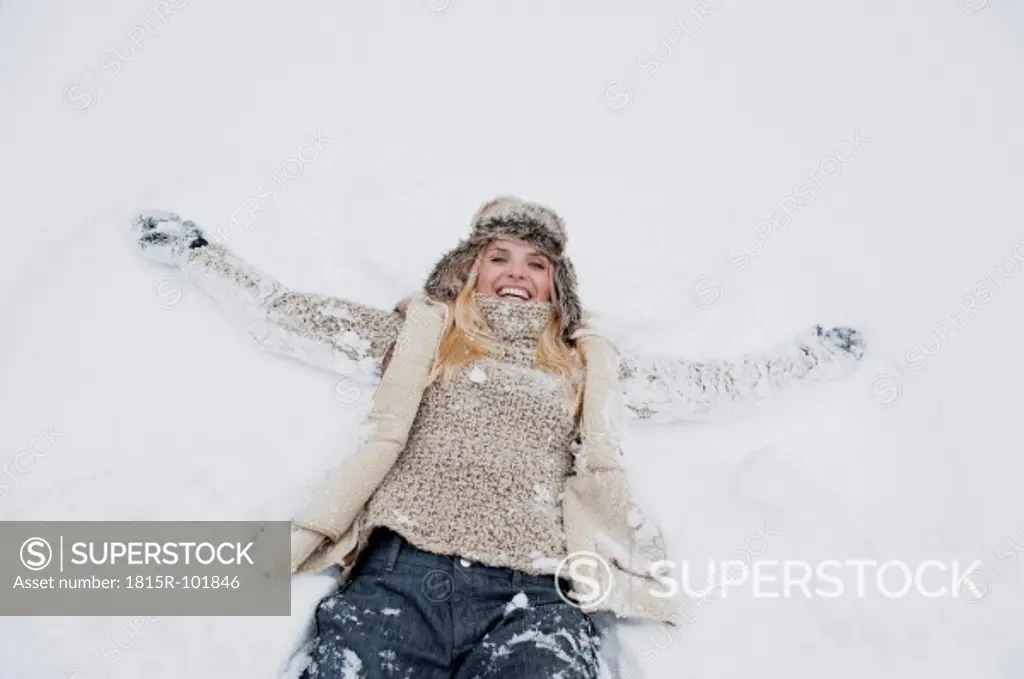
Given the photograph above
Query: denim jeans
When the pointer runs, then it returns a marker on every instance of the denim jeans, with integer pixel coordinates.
(411, 614)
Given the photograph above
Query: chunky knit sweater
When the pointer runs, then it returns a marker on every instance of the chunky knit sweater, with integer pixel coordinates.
(482, 472)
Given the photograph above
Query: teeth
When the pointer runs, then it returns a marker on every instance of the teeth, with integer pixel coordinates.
(514, 292)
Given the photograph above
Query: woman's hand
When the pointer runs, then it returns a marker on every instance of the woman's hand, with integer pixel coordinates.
(163, 237)
(847, 340)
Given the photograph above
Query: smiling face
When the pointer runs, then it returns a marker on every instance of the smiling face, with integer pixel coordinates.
(516, 271)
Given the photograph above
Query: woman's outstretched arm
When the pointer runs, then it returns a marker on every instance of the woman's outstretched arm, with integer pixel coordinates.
(327, 332)
(669, 389)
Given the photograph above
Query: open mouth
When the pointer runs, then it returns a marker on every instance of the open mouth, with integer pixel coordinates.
(513, 293)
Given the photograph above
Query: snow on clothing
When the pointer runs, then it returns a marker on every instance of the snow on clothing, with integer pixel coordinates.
(335, 334)
(597, 511)
(406, 612)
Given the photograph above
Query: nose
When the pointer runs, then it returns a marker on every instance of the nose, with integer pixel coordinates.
(518, 269)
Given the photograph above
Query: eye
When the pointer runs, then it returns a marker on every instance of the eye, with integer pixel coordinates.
(497, 258)
(538, 266)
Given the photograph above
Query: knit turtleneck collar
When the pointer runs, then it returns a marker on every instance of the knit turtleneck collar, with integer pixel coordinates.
(512, 321)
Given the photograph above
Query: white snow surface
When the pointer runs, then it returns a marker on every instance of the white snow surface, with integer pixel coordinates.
(159, 407)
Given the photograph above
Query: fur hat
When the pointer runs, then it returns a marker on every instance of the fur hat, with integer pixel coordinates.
(510, 217)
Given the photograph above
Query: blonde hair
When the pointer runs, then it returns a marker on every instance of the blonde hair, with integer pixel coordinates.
(466, 337)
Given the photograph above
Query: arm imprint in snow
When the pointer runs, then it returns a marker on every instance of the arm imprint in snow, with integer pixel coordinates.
(668, 389)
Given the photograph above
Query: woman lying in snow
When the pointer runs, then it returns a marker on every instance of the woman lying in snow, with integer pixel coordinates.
(491, 452)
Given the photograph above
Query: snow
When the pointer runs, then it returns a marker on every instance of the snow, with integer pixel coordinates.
(352, 667)
(403, 519)
(544, 564)
(520, 600)
(547, 642)
(388, 658)
(666, 178)
(544, 500)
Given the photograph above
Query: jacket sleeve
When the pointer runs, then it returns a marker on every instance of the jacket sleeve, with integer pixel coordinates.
(327, 332)
(669, 389)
